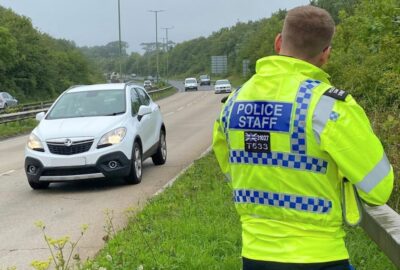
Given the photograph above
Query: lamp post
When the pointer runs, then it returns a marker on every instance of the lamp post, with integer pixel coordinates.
(120, 45)
(166, 42)
(156, 13)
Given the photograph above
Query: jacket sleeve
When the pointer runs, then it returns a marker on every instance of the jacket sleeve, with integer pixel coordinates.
(349, 139)
(221, 149)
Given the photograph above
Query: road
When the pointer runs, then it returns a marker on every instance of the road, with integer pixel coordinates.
(64, 207)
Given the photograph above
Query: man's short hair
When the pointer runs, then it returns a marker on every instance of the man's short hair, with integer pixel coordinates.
(307, 30)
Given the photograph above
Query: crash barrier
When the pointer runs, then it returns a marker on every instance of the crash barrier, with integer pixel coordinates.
(27, 107)
(382, 224)
(43, 107)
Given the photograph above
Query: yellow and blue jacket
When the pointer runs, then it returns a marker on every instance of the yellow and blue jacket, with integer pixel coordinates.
(285, 141)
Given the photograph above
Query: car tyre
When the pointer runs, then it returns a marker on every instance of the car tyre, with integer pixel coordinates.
(39, 185)
(135, 175)
(160, 157)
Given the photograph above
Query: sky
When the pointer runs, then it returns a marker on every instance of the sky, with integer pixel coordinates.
(95, 22)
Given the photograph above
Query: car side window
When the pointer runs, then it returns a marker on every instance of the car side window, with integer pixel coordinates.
(135, 101)
(144, 98)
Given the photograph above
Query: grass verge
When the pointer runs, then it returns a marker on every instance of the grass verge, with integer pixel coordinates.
(193, 225)
(163, 94)
(15, 128)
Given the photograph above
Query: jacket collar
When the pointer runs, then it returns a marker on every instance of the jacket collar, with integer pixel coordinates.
(276, 65)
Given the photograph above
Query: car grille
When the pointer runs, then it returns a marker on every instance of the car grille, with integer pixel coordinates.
(70, 171)
(76, 147)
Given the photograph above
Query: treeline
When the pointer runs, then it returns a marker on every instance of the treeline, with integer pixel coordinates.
(35, 66)
(365, 49)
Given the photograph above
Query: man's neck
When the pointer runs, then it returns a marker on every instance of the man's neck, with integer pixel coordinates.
(311, 61)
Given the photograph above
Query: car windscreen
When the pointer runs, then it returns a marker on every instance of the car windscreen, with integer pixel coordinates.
(203, 77)
(222, 82)
(190, 81)
(89, 103)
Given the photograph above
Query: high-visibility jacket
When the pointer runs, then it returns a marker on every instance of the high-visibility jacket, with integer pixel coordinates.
(286, 140)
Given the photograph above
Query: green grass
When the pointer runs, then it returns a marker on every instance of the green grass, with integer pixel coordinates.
(193, 225)
(16, 128)
(163, 94)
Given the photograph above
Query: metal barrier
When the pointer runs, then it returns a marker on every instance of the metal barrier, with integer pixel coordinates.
(382, 224)
(14, 117)
(43, 107)
(27, 107)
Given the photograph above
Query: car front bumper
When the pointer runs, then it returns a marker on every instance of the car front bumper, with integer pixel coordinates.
(114, 164)
(95, 163)
(223, 90)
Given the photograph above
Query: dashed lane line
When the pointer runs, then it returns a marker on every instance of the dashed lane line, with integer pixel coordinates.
(168, 114)
(7, 173)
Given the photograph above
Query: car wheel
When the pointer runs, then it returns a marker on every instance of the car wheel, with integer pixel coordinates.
(5, 106)
(160, 157)
(135, 175)
(39, 185)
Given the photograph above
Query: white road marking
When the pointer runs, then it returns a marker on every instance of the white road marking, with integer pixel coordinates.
(6, 173)
(180, 108)
(167, 114)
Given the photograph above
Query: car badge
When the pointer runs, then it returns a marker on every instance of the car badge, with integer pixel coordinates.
(68, 142)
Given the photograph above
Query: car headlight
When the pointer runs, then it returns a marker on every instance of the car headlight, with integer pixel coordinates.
(113, 137)
(34, 143)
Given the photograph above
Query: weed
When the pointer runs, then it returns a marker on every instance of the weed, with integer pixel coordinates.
(59, 257)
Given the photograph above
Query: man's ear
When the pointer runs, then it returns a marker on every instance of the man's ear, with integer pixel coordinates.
(324, 58)
(278, 43)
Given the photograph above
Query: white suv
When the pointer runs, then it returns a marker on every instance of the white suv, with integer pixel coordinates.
(96, 131)
(222, 86)
(190, 84)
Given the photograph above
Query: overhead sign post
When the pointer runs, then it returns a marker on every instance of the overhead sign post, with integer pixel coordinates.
(219, 64)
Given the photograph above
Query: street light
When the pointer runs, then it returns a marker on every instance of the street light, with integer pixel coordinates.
(155, 13)
(166, 42)
(120, 45)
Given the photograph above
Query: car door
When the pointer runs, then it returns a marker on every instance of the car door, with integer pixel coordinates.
(10, 100)
(155, 116)
(142, 123)
(15, 102)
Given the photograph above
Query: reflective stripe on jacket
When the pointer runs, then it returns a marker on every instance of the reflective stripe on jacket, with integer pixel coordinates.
(285, 139)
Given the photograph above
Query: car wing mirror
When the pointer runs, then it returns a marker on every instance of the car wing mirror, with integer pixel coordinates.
(40, 116)
(143, 110)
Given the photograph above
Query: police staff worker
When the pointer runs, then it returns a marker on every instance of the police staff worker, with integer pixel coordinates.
(286, 140)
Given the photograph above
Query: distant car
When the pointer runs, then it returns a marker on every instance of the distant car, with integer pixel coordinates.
(147, 85)
(150, 78)
(204, 80)
(222, 86)
(96, 131)
(190, 84)
(6, 100)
